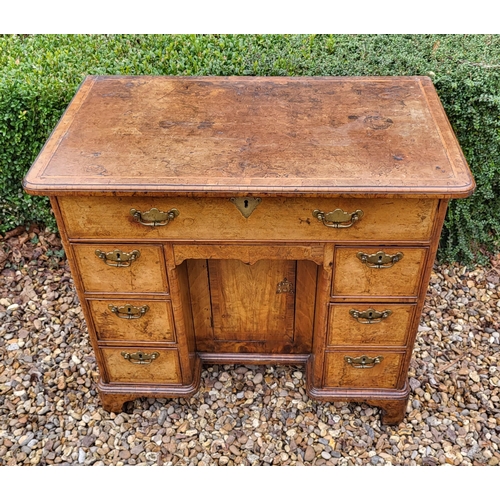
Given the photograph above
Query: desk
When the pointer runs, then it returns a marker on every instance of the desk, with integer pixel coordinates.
(252, 220)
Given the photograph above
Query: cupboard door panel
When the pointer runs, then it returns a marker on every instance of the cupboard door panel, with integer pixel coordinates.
(236, 307)
(245, 301)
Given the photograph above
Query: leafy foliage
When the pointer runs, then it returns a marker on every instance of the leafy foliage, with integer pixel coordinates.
(39, 74)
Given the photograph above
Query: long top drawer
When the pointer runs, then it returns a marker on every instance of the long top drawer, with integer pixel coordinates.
(274, 218)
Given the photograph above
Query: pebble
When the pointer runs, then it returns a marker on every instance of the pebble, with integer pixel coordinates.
(23, 440)
(119, 420)
(233, 449)
(162, 417)
(137, 450)
(309, 454)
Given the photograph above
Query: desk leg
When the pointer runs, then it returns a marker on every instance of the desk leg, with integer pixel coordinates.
(114, 396)
(393, 412)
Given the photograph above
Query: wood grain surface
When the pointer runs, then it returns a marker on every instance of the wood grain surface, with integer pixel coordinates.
(343, 329)
(236, 308)
(245, 304)
(250, 254)
(146, 274)
(156, 325)
(381, 135)
(385, 375)
(163, 370)
(276, 218)
(353, 278)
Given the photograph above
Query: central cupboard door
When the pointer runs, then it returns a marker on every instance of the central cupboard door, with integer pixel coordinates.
(266, 307)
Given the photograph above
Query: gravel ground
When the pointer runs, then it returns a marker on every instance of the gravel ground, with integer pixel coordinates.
(50, 412)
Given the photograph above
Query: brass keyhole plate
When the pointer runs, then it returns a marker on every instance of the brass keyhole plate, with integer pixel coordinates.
(246, 205)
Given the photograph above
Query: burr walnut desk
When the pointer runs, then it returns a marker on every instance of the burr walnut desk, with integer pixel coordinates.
(252, 220)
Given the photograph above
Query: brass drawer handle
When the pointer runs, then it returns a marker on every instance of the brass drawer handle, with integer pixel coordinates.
(363, 361)
(369, 316)
(154, 217)
(128, 311)
(338, 218)
(379, 260)
(140, 358)
(117, 258)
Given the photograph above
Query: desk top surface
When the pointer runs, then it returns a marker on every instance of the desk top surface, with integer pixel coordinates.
(348, 136)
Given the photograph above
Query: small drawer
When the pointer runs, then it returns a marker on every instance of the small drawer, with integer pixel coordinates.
(133, 320)
(369, 324)
(399, 278)
(363, 369)
(141, 269)
(274, 218)
(134, 365)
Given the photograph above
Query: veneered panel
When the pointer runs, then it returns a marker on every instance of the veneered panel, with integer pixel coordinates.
(354, 278)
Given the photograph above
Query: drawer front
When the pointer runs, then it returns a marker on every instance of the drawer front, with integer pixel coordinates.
(275, 218)
(353, 277)
(140, 368)
(369, 324)
(144, 274)
(382, 375)
(136, 321)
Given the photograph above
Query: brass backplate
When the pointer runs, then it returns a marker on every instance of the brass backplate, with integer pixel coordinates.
(379, 260)
(370, 315)
(246, 205)
(128, 311)
(117, 258)
(140, 358)
(363, 361)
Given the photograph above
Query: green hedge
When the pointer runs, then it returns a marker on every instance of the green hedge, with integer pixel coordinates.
(39, 75)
